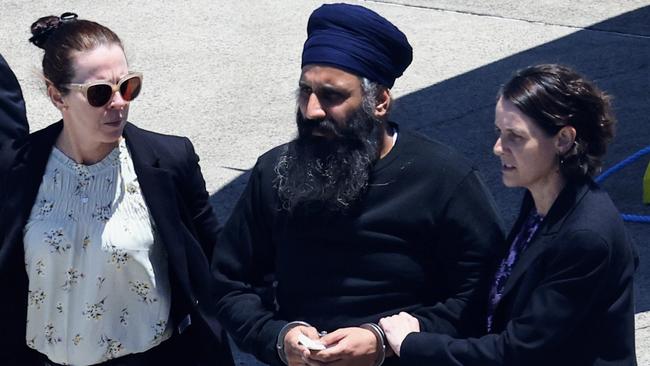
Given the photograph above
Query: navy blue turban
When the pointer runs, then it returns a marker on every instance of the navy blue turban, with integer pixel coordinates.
(357, 40)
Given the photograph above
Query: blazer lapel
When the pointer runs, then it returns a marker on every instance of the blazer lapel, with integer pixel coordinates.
(24, 179)
(562, 207)
(159, 193)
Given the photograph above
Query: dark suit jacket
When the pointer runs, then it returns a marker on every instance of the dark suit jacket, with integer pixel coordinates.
(568, 301)
(13, 120)
(174, 190)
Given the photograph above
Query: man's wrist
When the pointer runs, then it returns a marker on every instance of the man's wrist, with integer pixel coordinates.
(381, 340)
(279, 344)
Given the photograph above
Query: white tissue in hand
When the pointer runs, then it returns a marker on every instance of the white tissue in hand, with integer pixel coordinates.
(310, 343)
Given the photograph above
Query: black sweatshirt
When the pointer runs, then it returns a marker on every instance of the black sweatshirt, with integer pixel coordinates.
(424, 239)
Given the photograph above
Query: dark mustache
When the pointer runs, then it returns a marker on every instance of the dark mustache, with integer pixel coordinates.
(308, 126)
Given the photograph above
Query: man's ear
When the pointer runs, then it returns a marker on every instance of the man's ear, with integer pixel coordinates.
(565, 139)
(384, 100)
(56, 97)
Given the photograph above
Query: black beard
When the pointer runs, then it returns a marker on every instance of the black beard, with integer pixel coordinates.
(330, 173)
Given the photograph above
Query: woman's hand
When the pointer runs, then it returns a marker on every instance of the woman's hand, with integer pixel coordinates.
(397, 327)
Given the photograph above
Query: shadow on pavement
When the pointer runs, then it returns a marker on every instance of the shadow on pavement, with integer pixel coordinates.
(460, 111)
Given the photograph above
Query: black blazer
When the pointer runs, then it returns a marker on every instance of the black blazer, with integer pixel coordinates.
(569, 300)
(13, 119)
(174, 190)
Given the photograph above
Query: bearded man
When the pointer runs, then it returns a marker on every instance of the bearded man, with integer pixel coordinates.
(355, 219)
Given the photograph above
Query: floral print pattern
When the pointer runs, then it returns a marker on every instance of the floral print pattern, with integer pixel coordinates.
(85, 242)
(143, 290)
(40, 267)
(50, 335)
(131, 188)
(93, 264)
(124, 317)
(102, 213)
(95, 311)
(36, 298)
(45, 207)
(77, 339)
(83, 178)
(159, 330)
(100, 281)
(118, 257)
(112, 346)
(72, 277)
(109, 182)
(57, 241)
(71, 215)
(56, 177)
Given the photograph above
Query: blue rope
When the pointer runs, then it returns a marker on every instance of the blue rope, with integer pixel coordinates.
(623, 163)
(635, 218)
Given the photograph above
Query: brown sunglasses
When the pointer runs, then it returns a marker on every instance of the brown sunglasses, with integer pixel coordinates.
(99, 93)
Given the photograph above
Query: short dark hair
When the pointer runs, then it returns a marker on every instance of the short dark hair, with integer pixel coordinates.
(60, 37)
(554, 96)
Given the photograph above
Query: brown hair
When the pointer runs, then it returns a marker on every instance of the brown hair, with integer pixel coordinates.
(60, 37)
(554, 96)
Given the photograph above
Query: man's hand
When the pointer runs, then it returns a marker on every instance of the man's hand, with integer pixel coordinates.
(296, 353)
(397, 327)
(347, 346)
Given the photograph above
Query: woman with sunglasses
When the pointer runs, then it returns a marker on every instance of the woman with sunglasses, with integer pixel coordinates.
(563, 294)
(104, 227)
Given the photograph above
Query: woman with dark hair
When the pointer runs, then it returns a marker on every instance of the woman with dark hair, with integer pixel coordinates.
(563, 294)
(104, 227)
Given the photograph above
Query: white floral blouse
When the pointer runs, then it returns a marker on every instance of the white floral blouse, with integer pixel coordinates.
(98, 276)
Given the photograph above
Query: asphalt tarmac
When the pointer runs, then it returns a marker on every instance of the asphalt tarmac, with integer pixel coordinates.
(224, 73)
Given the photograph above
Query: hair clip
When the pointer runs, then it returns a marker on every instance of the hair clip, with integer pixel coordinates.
(68, 17)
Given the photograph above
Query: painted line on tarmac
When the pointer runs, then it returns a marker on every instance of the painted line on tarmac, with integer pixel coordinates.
(538, 22)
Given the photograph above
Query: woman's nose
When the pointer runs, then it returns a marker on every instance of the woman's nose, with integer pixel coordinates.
(497, 149)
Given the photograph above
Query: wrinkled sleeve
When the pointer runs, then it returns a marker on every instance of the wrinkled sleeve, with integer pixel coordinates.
(561, 302)
(241, 260)
(196, 198)
(465, 256)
